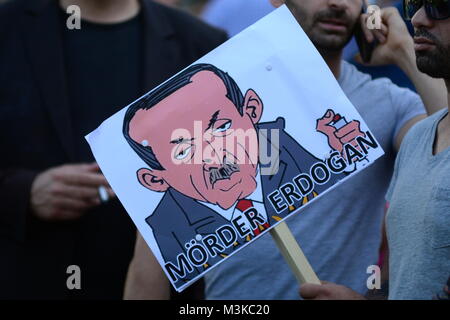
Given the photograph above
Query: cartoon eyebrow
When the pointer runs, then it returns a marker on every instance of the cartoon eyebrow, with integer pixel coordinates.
(181, 140)
(213, 120)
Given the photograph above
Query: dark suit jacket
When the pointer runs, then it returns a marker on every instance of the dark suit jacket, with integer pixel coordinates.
(178, 218)
(35, 134)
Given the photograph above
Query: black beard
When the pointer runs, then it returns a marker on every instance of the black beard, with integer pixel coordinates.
(434, 63)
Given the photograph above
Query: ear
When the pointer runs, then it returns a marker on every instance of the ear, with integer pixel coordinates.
(277, 3)
(150, 179)
(253, 106)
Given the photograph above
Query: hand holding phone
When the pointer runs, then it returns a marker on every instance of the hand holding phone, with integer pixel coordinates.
(366, 48)
(390, 44)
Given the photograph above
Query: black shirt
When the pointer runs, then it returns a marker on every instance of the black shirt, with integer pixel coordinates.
(103, 68)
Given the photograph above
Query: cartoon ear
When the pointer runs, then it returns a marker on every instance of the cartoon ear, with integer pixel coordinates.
(277, 3)
(150, 179)
(253, 106)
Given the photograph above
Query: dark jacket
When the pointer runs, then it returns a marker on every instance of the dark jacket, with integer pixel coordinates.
(35, 134)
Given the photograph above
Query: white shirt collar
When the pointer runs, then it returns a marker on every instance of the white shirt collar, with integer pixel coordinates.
(257, 196)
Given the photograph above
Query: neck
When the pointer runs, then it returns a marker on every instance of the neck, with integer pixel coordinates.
(333, 60)
(104, 11)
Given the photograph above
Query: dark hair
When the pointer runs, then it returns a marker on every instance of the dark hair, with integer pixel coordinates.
(163, 91)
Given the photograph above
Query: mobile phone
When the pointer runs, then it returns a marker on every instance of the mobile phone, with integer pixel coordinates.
(365, 48)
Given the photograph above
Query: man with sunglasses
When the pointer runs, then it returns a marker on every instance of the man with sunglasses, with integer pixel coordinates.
(418, 216)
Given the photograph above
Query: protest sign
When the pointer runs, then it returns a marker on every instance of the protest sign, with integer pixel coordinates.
(228, 148)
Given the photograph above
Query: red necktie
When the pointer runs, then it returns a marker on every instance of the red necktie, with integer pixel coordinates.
(245, 204)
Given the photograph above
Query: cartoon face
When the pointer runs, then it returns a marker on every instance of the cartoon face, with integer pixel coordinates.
(208, 150)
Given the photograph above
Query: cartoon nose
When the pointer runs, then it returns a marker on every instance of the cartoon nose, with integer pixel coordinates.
(213, 156)
(208, 164)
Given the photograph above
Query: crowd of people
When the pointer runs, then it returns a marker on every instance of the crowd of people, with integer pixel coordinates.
(58, 84)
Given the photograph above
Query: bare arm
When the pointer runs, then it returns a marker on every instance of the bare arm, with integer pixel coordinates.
(145, 278)
(404, 130)
(396, 46)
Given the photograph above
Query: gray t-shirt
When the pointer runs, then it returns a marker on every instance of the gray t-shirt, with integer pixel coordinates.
(340, 233)
(418, 220)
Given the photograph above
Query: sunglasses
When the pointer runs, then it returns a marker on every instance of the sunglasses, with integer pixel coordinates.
(435, 9)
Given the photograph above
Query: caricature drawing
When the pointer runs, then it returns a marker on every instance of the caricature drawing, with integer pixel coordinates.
(216, 195)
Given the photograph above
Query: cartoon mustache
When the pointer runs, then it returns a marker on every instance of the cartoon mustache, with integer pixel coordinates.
(222, 173)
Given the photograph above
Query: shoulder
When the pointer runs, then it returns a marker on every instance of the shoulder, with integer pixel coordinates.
(10, 10)
(400, 104)
(279, 123)
(351, 75)
(11, 14)
(423, 126)
(11, 7)
(353, 79)
(418, 133)
(189, 27)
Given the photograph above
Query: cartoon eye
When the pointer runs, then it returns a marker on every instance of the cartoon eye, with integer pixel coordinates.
(223, 126)
(182, 151)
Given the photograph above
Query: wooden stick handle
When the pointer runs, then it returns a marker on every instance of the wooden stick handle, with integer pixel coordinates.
(293, 254)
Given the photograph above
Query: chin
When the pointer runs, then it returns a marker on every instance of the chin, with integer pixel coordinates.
(332, 42)
(429, 66)
(227, 199)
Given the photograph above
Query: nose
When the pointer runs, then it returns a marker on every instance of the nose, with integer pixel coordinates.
(213, 155)
(338, 4)
(421, 20)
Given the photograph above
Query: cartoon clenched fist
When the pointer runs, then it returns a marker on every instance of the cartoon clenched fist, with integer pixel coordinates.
(338, 131)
